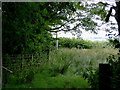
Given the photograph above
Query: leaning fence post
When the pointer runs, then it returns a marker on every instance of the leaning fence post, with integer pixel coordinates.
(104, 76)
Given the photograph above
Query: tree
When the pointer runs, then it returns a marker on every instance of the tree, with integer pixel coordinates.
(26, 25)
(82, 18)
(117, 16)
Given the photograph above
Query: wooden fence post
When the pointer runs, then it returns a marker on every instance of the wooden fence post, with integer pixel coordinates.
(22, 62)
(32, 57)
(104, 76)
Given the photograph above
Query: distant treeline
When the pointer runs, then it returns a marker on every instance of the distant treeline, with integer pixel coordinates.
(80, 43)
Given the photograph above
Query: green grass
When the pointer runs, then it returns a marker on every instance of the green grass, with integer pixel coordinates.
(42, 81)
(64, 69)
(79, 59)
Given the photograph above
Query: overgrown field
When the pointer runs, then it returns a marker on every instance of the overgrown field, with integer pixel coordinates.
(65, 69)
(79, 59)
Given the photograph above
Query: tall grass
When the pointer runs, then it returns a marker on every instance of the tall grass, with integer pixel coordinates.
(76, 60)
(64, 69)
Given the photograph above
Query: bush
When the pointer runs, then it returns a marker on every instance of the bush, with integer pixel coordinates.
(93, 77)
(26, 76)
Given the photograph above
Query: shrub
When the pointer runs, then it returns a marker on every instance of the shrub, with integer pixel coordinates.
(93, 77)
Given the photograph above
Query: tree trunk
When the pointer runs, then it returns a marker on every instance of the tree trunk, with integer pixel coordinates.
(117, 17)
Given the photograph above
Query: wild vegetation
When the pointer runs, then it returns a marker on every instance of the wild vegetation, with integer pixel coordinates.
(29, 61)
(65, 69)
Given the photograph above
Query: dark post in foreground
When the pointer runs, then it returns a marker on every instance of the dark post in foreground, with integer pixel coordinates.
(104, 76)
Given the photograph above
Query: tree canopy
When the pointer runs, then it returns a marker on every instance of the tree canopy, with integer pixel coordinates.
(27, 26)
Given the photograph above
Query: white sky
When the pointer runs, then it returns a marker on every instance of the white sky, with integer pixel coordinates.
(101, 36)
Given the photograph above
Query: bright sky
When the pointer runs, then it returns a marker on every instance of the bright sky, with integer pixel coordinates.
(101, 36)
(90, 36)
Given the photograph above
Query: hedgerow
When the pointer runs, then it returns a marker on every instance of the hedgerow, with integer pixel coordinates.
(80, 43)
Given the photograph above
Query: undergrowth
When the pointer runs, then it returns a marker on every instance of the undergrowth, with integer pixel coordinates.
(65, 69)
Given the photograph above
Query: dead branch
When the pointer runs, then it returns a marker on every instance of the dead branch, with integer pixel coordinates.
(7, 69)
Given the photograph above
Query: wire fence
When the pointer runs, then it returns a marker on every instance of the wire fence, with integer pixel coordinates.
(15, 63)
